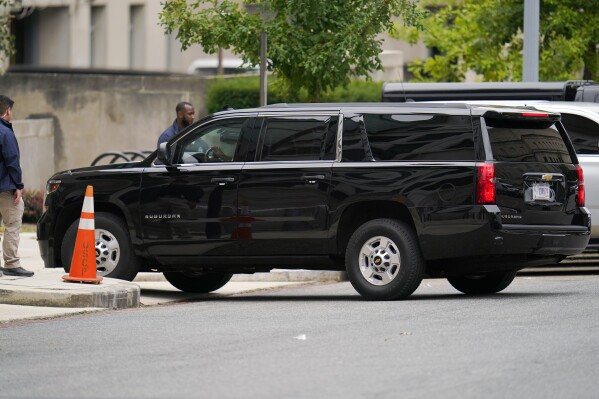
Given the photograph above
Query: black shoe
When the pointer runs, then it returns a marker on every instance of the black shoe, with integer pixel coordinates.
(17, 271)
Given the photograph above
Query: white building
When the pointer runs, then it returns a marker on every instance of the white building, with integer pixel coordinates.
(125, 34)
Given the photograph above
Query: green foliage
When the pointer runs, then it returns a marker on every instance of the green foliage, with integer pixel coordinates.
(360, 91)
(242, 92)
(7, 47)
(312, 44)
(34, 205)
(486, 36)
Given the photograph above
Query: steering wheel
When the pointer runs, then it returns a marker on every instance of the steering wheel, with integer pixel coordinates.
(211, 155)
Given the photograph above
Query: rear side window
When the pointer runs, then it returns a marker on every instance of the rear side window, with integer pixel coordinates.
(298, 138)
(516, 141)
(583, 132)
(408, 137)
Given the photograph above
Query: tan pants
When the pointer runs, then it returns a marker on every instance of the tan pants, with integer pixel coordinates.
(12, 216)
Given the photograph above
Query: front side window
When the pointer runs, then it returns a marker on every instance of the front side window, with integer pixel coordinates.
(298, 138)
(216, 142)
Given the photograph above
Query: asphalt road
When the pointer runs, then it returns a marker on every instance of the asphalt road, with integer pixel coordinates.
(537, 339)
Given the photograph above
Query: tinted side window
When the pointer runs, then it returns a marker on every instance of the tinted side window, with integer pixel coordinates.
(298, 138)
(514, 141)
(355, 142)
(215, 142)
(583, 132)
(420, 137)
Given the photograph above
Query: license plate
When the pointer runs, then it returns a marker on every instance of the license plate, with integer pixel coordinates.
(541, 192)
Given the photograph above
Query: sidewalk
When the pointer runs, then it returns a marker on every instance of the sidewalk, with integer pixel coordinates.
(46, 295)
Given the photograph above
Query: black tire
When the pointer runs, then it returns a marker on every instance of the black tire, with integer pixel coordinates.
(114, 254)
(197, 282)
(482, 284)
(384, 249)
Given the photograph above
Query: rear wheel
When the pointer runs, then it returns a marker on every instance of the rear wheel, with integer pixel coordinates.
(383, 260)
(114, 254)
(482, 284)
(197, 282)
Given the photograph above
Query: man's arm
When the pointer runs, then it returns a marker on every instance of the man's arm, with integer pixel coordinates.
(10, 152)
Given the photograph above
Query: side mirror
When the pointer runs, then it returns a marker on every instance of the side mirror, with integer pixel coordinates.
(164, 154)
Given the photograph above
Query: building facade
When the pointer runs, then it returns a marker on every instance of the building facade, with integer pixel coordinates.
(126, 35)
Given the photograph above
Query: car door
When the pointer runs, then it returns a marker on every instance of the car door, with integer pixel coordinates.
(284, 192)
(189, 208)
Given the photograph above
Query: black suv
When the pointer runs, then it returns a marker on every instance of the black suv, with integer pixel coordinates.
(388, 192)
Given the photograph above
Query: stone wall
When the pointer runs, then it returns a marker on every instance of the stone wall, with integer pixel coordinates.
(93, 113)
(36, 141)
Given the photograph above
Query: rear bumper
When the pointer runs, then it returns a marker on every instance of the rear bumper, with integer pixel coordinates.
(512, 247)
(541, 240)
(478, 232)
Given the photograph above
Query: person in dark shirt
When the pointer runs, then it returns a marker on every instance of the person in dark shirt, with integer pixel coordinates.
(185, 117)
(11, 190)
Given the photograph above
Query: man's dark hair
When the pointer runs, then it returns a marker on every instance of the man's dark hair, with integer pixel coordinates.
(181, 106)
(5, 104)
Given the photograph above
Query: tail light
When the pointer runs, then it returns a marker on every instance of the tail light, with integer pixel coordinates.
(485, 184)
(580, 200)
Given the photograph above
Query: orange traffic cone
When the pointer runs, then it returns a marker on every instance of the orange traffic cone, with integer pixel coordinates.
(83, 264)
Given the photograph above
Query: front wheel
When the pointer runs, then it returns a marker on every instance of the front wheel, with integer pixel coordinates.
(481, 284)
(197, 282)
(114, 254)
(383, 260)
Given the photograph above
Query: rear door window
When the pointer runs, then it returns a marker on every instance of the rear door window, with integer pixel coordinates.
(301, 138)
(517, 141)
(411, 137)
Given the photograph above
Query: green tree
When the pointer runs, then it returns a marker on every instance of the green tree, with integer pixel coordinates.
(312, 44)
(6, 39)
(486, 36)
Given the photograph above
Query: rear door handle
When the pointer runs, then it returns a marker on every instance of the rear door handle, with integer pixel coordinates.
(312, 179)
(221, 181)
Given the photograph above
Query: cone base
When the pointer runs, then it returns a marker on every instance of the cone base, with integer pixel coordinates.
(95, 280)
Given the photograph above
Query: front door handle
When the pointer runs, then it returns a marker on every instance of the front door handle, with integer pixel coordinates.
(221, 181)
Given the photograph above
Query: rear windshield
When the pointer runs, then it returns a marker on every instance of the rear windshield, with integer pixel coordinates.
(514, 141)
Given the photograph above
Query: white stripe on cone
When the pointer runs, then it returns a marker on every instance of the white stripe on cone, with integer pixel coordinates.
(86, 224)
(88, 204)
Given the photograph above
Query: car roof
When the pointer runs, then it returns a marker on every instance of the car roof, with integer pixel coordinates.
(584, 108)
(461, 108)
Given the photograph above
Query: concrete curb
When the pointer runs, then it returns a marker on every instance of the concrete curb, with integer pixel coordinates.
(276, 275)
(47, 289)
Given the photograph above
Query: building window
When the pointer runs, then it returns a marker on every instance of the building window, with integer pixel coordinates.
(136, 37)
(98, 36)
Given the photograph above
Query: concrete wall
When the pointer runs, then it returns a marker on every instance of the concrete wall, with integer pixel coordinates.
(93, 114)
(35, 138)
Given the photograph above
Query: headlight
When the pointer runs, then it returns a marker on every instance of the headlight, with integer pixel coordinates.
(51, 186)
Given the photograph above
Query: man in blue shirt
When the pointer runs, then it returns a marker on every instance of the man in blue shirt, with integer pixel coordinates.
(185, 117)
(11, 190)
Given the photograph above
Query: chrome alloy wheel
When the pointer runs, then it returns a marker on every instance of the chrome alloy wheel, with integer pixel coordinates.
(379, 260)
(108, 252)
